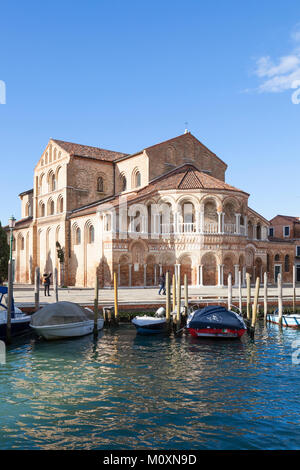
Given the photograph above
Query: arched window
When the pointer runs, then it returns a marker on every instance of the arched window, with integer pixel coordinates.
(123, 183)
(136, 178)
(42, 210)
(51, 208)
(14, 244)
(91, 234)
(78, 236)
(61, 204)
(268, 263)
(277, 257)
(28, 209)
(52, 182)
(287, 263)
(22, 244)
(100, 185)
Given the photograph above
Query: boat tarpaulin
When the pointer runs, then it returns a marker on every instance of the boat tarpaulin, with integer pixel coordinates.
(215, 316)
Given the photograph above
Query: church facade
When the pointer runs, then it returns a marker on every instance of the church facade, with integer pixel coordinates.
(165, 208)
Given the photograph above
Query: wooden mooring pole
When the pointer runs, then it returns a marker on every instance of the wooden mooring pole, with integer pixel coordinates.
(240, 293)
(248, 296)
(116, 309)
(96, 305)
(294, 289)
(10, 302)
(37, 289)
(168, 297)
(178, 316)
(265, 296)
(254, 310)
(229, 291)
(174, 292)
(280, 307)
(186, 296)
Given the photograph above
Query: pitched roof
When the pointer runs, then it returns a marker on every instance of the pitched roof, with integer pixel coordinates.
(188, 176)
(88, 151)
(185, 177)
(184, 136)
(287, 217)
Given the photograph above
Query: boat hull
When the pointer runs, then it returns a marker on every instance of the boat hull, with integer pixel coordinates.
(215, 333)
(149, 326)
(18, 327)
(70, 330)
(291, 321)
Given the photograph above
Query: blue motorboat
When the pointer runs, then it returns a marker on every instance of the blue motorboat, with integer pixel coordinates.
(19, 321)
(215, 321)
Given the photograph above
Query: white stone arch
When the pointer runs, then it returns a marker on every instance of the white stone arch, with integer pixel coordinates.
(123, 181)
(50, 206)
(211, 197)
(60, 204)
(187, 211)
(136, 178)
(58, 172)
(76, 234)
(42, 209)
(51, 180)
(138, 218)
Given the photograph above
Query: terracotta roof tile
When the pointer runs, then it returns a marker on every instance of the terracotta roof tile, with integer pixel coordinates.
(88, 151)
(186, 177)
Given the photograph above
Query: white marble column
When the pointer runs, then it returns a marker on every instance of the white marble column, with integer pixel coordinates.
(236, 275)
(130, 275)
(220, 222)
(244, 276)
(201, 221)
(237, 224)
(220, 275)
(200, 275)
(160, 269)
(254, 232)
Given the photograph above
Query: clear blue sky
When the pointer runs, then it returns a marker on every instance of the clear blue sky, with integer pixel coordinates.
(127, 74)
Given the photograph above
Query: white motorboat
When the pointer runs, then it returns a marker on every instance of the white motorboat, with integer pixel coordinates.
(292, 320)
(64, 320)
(19, 321)
(147, 325)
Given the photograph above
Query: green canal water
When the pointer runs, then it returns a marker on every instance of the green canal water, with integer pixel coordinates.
(129, 392)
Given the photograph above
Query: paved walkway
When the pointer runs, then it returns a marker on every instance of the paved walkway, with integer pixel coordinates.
(24, 295)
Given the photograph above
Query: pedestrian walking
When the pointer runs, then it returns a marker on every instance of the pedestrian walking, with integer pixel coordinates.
(162, 284)
(46, 282)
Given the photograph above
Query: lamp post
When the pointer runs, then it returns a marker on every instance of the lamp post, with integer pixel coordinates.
(11, 224)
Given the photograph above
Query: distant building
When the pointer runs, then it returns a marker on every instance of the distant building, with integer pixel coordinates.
(287, 229)
(177, 213)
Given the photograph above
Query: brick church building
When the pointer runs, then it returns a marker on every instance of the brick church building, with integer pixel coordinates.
(166, 207)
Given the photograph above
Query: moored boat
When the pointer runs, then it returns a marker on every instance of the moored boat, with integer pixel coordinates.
(19, 321)
(64, 320)
(147, 325)
(215, 321)
(291, 320)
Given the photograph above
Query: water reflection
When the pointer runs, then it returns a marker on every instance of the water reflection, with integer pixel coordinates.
(127, 391)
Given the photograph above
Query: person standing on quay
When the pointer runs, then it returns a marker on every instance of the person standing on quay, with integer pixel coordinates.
(162, 284)
(46, 282)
